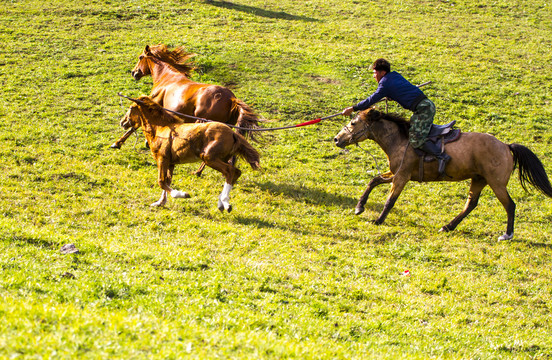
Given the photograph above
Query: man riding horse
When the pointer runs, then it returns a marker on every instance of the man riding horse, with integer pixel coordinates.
(394, 86)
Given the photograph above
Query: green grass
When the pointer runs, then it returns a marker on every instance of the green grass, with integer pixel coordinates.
(291, 272)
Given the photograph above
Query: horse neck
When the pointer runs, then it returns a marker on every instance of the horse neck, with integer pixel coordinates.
(162, 73)
(149, 126)
(388, 137)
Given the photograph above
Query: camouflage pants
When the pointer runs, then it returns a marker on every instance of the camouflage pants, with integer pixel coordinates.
(420, 123)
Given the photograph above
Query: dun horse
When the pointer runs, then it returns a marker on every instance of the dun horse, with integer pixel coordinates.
(476, 156)
(172, 142)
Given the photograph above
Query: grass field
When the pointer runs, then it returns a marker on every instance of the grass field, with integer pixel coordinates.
(291, 272)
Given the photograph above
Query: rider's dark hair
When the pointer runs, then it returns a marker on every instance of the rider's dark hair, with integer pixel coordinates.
(381, 64)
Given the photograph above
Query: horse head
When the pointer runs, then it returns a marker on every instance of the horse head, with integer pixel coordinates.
(142, 67)
(160, 58)
(132, 118)
(358, 129)
(134, 114)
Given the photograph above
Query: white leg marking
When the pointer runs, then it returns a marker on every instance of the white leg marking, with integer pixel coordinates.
(162, 200)
(224, 198)
(506, 237)
(179, 194)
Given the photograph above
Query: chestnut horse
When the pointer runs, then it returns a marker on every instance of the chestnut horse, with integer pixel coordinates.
(476, 156)
(173, 141)
(173, 89)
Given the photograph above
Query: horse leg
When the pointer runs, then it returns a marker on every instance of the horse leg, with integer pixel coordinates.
(224, 198)
(200, 170)
(162, 169)
(117, 144)
(476, 187)
(384, 178)
(164, 181)
(231, 175)
(174, 193)
(502, 194)
(162, 200)
(396, 189)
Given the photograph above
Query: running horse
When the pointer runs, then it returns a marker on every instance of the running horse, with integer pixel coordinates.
(173, 89)
(476, 156)
(173, 141)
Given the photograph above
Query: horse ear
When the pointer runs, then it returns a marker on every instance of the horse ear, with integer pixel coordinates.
(147, 50)
(139, 101)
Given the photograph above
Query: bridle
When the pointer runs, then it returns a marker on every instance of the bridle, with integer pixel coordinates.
(355, 136)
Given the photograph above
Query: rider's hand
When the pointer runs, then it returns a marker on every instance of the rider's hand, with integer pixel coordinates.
(348, 111)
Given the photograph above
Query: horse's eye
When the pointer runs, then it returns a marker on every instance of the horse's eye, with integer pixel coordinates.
(140, 57)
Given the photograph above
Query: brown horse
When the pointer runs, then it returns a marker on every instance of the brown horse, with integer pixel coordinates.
(173, 89)
(172, 142)
(476, 156)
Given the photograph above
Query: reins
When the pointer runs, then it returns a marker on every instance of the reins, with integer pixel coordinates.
(367, 128)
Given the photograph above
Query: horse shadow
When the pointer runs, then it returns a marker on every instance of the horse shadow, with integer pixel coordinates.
(319, 197)
(34, 241)
(259, 12)
(308, 195)
(533, 244)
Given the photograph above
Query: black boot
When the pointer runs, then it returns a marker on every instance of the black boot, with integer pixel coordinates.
(431, 148)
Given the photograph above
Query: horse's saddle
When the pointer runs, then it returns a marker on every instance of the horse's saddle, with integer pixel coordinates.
(441, 130)
(440, 135)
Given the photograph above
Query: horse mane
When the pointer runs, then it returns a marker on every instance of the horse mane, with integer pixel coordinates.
(402, 123)
(178, 59)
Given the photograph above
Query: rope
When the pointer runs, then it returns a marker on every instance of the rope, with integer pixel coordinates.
(306, 123)
(373, 157)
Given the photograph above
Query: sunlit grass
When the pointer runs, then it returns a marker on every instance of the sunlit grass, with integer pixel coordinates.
(291, 272)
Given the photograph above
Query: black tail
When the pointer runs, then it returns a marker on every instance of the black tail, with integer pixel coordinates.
(531, 169)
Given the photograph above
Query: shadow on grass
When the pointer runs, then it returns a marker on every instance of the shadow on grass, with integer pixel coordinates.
(294, 228)
(22, 240)
(310, 196)
(532, 244)
(259, 12)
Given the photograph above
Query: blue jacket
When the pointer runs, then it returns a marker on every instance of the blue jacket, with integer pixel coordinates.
(395, 87)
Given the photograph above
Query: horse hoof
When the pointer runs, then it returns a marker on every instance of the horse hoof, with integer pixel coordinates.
(115, 146)
(444, 229)
(359, 210)
(157, 204)
(506, 237)
(224, 206)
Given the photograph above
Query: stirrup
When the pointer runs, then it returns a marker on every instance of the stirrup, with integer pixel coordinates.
(443, 161)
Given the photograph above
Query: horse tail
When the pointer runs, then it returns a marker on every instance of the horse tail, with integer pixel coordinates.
(246, 151)
(244, 117)
(531, 169)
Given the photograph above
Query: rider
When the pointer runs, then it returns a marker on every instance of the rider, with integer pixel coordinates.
(394, 86)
